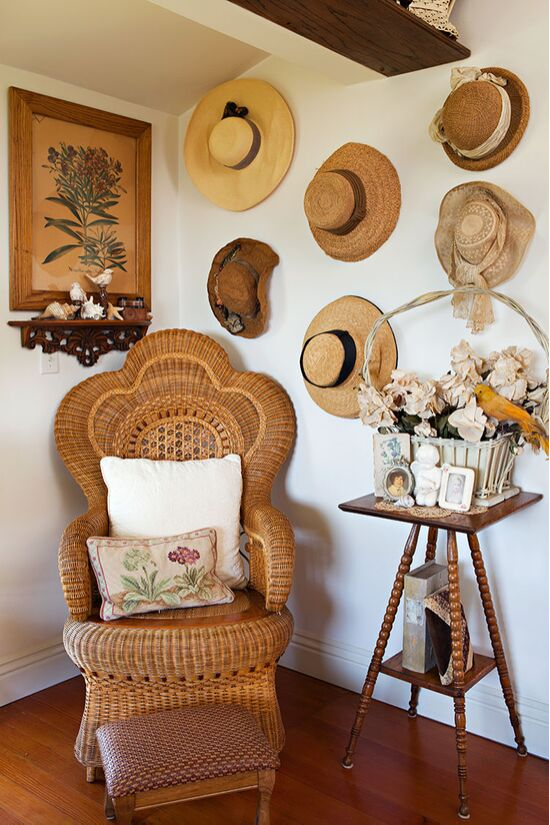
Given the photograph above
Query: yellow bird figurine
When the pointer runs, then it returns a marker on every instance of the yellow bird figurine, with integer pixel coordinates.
(498, 407)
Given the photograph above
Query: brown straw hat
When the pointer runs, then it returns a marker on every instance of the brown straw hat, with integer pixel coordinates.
(484, 117)
(480, 239)
(237, 286)
(353, 202)
(333, 353)
(239, 143)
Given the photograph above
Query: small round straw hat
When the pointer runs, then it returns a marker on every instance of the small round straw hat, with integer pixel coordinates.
(483, 118)
(237, 285)
(333, 353)
(353, 202)
(481, 237)
(239, 143)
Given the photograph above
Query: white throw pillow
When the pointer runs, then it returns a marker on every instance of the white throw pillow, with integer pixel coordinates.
(151, 499)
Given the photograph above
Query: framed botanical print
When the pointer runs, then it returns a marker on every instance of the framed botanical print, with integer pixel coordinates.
(80, 200)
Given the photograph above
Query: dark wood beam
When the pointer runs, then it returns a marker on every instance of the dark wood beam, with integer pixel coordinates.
(379, 34)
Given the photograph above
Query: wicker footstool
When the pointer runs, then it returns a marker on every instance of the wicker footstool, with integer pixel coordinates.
(184, 754)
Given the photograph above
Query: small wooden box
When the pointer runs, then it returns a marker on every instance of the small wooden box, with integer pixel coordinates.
(418, 653)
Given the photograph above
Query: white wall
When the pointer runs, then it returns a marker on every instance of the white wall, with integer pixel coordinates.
(38, 497)
(346, 564)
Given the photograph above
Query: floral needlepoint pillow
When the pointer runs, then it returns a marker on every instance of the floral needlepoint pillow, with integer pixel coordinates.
(145, 575)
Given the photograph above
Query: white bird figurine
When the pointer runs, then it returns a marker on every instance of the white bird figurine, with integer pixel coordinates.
(77, 293)
(103, 279)
(91, 311)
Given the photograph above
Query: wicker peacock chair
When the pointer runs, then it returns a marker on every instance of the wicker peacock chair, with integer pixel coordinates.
(178, 398)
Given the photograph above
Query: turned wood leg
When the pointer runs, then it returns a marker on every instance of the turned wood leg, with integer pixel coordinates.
(431, 547)
(266, 781)
(383, 636)
(458, 672)
(124, 809)
(496, 642)
(91, 774)
(108, 806)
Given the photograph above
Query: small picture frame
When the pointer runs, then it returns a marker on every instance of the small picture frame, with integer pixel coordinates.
(388, 449)
(457, 486)
(398, 481)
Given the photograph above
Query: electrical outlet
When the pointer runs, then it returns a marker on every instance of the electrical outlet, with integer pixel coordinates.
(49, 363)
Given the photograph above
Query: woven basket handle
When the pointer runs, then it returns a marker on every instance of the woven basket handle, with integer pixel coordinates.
(429, 297)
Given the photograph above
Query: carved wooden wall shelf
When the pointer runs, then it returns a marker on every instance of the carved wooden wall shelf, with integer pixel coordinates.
(379, 34)
(86, 340)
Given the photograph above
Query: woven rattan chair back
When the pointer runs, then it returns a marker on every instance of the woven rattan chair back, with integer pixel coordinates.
(177, 398)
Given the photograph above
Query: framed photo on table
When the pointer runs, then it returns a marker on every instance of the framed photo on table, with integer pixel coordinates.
(457, 486)
(80, 200)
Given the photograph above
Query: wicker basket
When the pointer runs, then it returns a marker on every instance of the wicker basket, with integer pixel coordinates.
(492, 460)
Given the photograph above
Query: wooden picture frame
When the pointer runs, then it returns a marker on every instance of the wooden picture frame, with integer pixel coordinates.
(26, 109)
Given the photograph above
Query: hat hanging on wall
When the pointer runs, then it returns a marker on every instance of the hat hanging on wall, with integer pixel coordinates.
(333, 353)
(353, 202)
(239, 143)
(237, 286)
(484, 117)
(480, 239)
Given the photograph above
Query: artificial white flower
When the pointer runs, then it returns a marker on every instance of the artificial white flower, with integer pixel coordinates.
(466, 363)
(469, 421)
(425, 429)
(510, 372)
(456, 390)
(402, 385)
(374, 408)
(434, 402)
(490, 427)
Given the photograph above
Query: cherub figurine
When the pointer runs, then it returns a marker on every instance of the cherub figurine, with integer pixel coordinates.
(427, 475)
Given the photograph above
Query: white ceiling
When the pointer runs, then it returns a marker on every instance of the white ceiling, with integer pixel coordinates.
(130, 49)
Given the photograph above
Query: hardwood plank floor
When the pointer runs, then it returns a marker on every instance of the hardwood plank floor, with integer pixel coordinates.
(404, 774)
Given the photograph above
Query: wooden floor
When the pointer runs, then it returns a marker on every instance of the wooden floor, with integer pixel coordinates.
(404, 770)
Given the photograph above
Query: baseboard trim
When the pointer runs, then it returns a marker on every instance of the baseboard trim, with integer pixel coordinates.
(34, 670)
(486, 713)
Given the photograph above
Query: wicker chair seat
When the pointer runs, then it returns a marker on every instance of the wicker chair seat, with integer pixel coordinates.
(196, 643)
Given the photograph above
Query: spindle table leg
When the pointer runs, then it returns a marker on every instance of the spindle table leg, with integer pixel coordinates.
(458, 672)
(431, 547)
(383, 636)
(496, 642)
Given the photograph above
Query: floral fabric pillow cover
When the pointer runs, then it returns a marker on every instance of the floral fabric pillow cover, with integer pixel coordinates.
(144, 575)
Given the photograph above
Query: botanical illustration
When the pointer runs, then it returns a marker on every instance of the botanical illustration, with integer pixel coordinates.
(88, 186)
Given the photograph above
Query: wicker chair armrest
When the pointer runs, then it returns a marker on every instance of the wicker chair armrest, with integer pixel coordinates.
(271, 546)
(73, 563)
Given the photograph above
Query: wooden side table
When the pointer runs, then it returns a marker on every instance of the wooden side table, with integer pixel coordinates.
(462, 682)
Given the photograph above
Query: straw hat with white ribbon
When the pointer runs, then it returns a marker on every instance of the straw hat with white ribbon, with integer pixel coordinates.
(239, 143)
(481, 237)
(484, 117)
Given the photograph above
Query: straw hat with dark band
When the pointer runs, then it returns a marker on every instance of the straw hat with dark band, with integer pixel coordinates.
(333, 351)
(484, 117)
(237, 286)
(353, 202)
(239, 143)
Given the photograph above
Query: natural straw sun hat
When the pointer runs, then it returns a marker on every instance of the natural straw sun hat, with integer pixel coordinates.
(353, 202)
(481, 237)
(237, 285)
(239, 143)
(483, 118)
(333, 352)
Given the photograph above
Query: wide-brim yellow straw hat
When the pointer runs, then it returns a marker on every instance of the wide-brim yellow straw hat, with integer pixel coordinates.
(333, 353)
(239, 143)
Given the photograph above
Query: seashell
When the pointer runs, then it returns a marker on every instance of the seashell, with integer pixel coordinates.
(91, 311)
(113, 313)
(76, 292)
(405, 501)
(62, 312)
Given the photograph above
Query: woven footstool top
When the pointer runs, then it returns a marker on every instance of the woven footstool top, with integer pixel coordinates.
(175, 747)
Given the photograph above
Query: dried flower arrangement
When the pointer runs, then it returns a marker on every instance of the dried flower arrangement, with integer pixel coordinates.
(448, 407)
